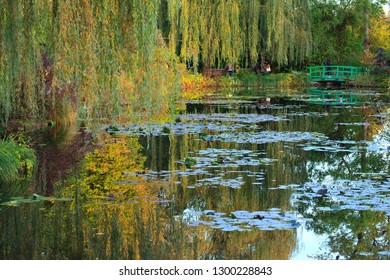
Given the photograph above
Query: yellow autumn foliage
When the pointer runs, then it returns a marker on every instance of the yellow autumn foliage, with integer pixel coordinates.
(380, 33)
(117, 200)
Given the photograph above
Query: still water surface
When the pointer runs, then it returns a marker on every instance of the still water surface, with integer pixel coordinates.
(235, 176)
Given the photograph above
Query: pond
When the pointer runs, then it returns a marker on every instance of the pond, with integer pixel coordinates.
(243, 175)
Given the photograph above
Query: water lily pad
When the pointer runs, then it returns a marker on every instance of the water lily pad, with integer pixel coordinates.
(245, 220)
(335, 207)
(263, 137)
(384, 253)
(240, 118)
(189, 162)
(365, 194)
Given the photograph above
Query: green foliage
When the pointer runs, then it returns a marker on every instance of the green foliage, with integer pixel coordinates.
(214, 32)
(19, 59)
(339, 29)
(364, 80)
(291, 81)
(229, 81)
(380, 33)
(189, 162)
(370, 79)
(249, 78)
(56, 54)
(120, 58)
(104, 169)
(16, 161)
(282, 81)
(387, 81)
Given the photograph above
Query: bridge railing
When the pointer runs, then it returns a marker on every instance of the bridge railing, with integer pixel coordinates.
(334, 73)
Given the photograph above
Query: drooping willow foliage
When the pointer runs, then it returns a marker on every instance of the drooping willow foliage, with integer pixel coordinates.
(213, 32)
(111, 57)
(106, 57)
(19, 51)
(111, 50)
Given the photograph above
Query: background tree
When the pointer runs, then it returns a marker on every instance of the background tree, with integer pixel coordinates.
(380, 33)
(212, 33)
(341, 29)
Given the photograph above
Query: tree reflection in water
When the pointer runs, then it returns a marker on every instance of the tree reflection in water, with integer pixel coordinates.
(116, 213)
(135, 198)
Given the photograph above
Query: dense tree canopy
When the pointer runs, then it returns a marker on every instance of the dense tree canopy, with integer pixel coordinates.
(78, 51)
(239, 31)
(110, 57)
(341, 28)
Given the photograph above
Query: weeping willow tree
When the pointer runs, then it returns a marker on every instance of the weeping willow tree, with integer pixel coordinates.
(119, 58)
(19, 59)
(288, 30)
(105, 57)
(113, 54)
(239, 31)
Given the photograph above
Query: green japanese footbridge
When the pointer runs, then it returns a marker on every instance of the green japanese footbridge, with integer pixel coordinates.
(328, 73)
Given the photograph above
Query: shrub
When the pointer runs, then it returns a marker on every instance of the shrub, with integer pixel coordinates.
(249, 78)
(16, 160)
(369, 79)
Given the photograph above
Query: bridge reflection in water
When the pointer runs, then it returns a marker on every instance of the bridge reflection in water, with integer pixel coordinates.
(332, 97)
